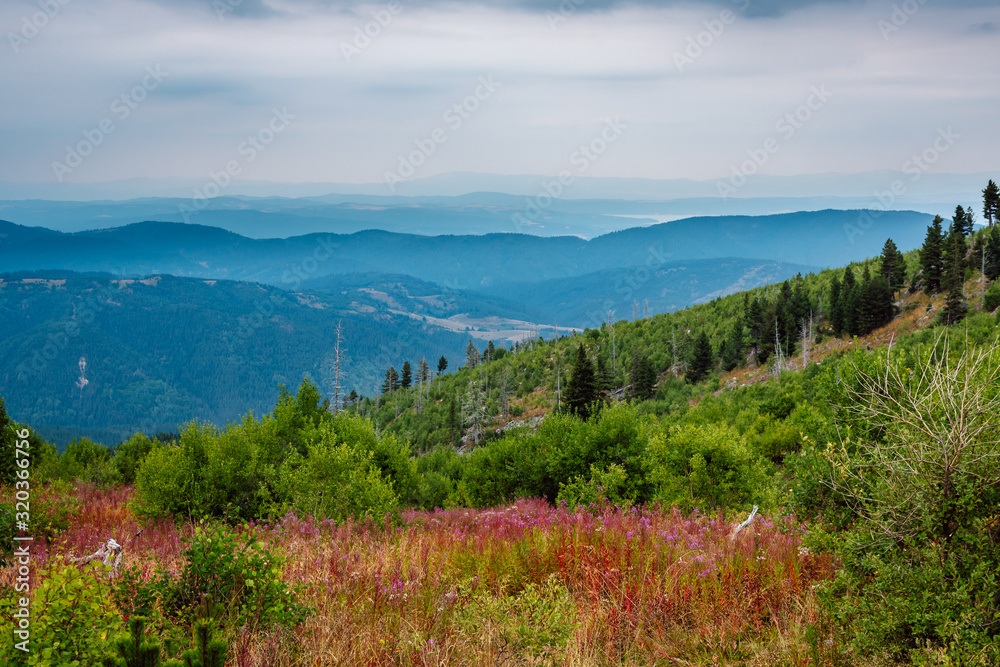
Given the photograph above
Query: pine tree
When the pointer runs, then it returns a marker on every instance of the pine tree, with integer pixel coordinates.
(732, 348)
(992, 250)
(471, 355)
(605, 382)
(491, 352)
(581, 390)
(849, 302)
(391, 382)
(955, 307)
(442, 365)
(991, 203)
(643, 377)
(755, 329)
(964, 221)
(836, 307)
(702, 359)
(407, 378)
(893, 267)
(932, 257)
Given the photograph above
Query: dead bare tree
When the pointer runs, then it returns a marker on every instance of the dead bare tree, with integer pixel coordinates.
(336, 368)
(936, 448)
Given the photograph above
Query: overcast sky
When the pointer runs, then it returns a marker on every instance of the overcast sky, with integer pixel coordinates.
(628, 79)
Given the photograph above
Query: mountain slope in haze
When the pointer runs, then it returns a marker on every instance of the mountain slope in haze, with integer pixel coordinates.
(584, 301)
(164, 350)
(823, 238)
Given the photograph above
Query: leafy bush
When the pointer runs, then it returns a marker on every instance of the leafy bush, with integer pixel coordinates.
(72, 617)
(130, 454)
(602, 486)
(923, 481)
(241, 578)
(705, 466)
(335, 480)
(563, 448)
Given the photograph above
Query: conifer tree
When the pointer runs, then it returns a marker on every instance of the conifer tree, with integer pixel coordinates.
(991, 203)
(702, 359)
(893, 267)
(581, 390)
(442, 365)
(407, 378)
(643, 377)
(471, 355)
(849, 302)
(605, 382)
(731, 354)
(932, 257)
(391, 382)
(836, 307)
(755, 329)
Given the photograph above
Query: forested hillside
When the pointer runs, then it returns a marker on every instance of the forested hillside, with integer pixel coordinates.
(546, 487)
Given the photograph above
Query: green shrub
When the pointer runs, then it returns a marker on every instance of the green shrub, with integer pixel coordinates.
(705, 466)
(72, 618)
(241, 577)
(129, 455)
(921, 560)
(335, 480)
(602, 486)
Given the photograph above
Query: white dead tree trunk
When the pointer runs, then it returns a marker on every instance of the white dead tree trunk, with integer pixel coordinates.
(336, 369)
(749, 520)
(110, 553)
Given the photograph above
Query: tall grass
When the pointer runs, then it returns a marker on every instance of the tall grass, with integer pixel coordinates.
(524, 584)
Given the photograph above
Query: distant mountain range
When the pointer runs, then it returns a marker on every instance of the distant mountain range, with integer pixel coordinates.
(934, 188)
(179, 321)
(477, 262)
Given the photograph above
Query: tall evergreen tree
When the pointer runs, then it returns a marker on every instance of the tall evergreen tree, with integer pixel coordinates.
(932, 257)
(407, 378)
(643, 377)
(991, 243)
(702, 359)
(755, 329)
(605, 382)
(442, 365)
(391, 382)
(991, 203)
(964, 221)
(955, 307)
(849, 301)
(893, 266)
(732, 351)
(471, 355)
(581, 390)
(836, 307)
